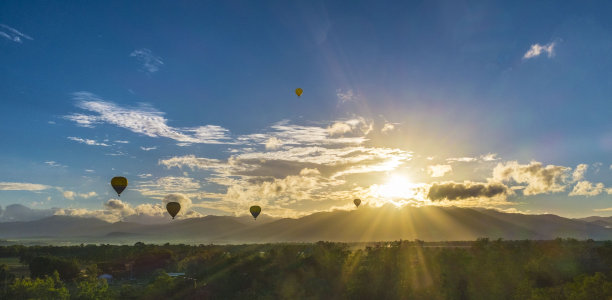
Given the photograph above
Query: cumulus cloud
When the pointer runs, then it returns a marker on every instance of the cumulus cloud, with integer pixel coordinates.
(579, 172)
(87, 141)
(540, 179)
(357, 126)
(537, 49)
(273, 143)
(68, 195)
(439, 170)
(466, 190)
(22, 186)
(183, 200)
(13, 34)
(143, 120)
(586, 188)
(150, 62)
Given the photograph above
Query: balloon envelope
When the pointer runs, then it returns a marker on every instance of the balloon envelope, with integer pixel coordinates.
(299, 91)
(173, 208)
(357, 202)
(255, 210)
(119, 184)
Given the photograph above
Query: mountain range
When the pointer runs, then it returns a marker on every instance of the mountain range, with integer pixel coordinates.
(365, 224)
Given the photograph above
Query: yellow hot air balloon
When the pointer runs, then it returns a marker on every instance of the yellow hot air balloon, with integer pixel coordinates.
(173, 208)
(119, 184)
(255, 210)
(357, 202)
(299, 91)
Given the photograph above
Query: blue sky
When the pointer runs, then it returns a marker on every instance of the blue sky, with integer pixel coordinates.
(487, 104)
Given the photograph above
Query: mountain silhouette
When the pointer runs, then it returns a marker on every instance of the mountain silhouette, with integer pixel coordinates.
(366, 224)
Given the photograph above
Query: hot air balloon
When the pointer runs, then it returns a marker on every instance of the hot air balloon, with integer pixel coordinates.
(255, 210)
(299, 91)
(357, 202)
(173, 208)
(119, 184)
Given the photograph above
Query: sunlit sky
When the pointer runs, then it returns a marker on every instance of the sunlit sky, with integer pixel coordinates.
(490, 104)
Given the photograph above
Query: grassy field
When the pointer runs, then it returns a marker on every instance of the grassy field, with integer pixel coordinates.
(15, 267)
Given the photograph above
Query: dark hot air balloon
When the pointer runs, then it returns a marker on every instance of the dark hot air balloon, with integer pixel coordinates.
(255, 210)
(173, 208)
(357, 202)
(119, 184)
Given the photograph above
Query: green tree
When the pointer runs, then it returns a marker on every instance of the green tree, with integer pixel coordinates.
(49, 287)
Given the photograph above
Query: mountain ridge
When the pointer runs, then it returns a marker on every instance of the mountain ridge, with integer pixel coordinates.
(365, 224)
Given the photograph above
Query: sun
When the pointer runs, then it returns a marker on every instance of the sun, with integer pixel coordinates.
(397, 187)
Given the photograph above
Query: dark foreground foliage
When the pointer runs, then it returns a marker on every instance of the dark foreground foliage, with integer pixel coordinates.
(559, 269)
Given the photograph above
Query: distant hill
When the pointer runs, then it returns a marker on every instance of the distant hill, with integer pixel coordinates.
(601, 221)
(361, 225)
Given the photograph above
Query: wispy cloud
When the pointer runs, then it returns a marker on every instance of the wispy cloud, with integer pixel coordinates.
(22, 186)
(52, 163)
(388, 127)
(150, 62)
(88, 141)
(439, 170)
(345, 96)
(482, 158)
(148, 148)
(537, 49)
(144, 120)
(13, 34)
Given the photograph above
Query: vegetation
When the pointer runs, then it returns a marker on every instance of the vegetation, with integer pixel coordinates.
(484, 269)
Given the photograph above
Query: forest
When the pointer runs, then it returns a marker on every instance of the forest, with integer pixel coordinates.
(481, 269)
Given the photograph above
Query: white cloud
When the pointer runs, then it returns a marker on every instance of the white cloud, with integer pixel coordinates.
(357, 126)
(537, 49)
(482, 158)
(461, 159)
(439, 170)
(52, 163)
(13, 34)
(88, 141)
(148, 148)
(586, 188)
(539, 179)
(144, 120)
(150, 61)
(579, 172)
(273, 143)
(22, 186)
(603, 209)
(388, 127)
(169, 184)
(122, 142)
(88, 195)
(182, 199)
(69, 195)
(145, 175)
